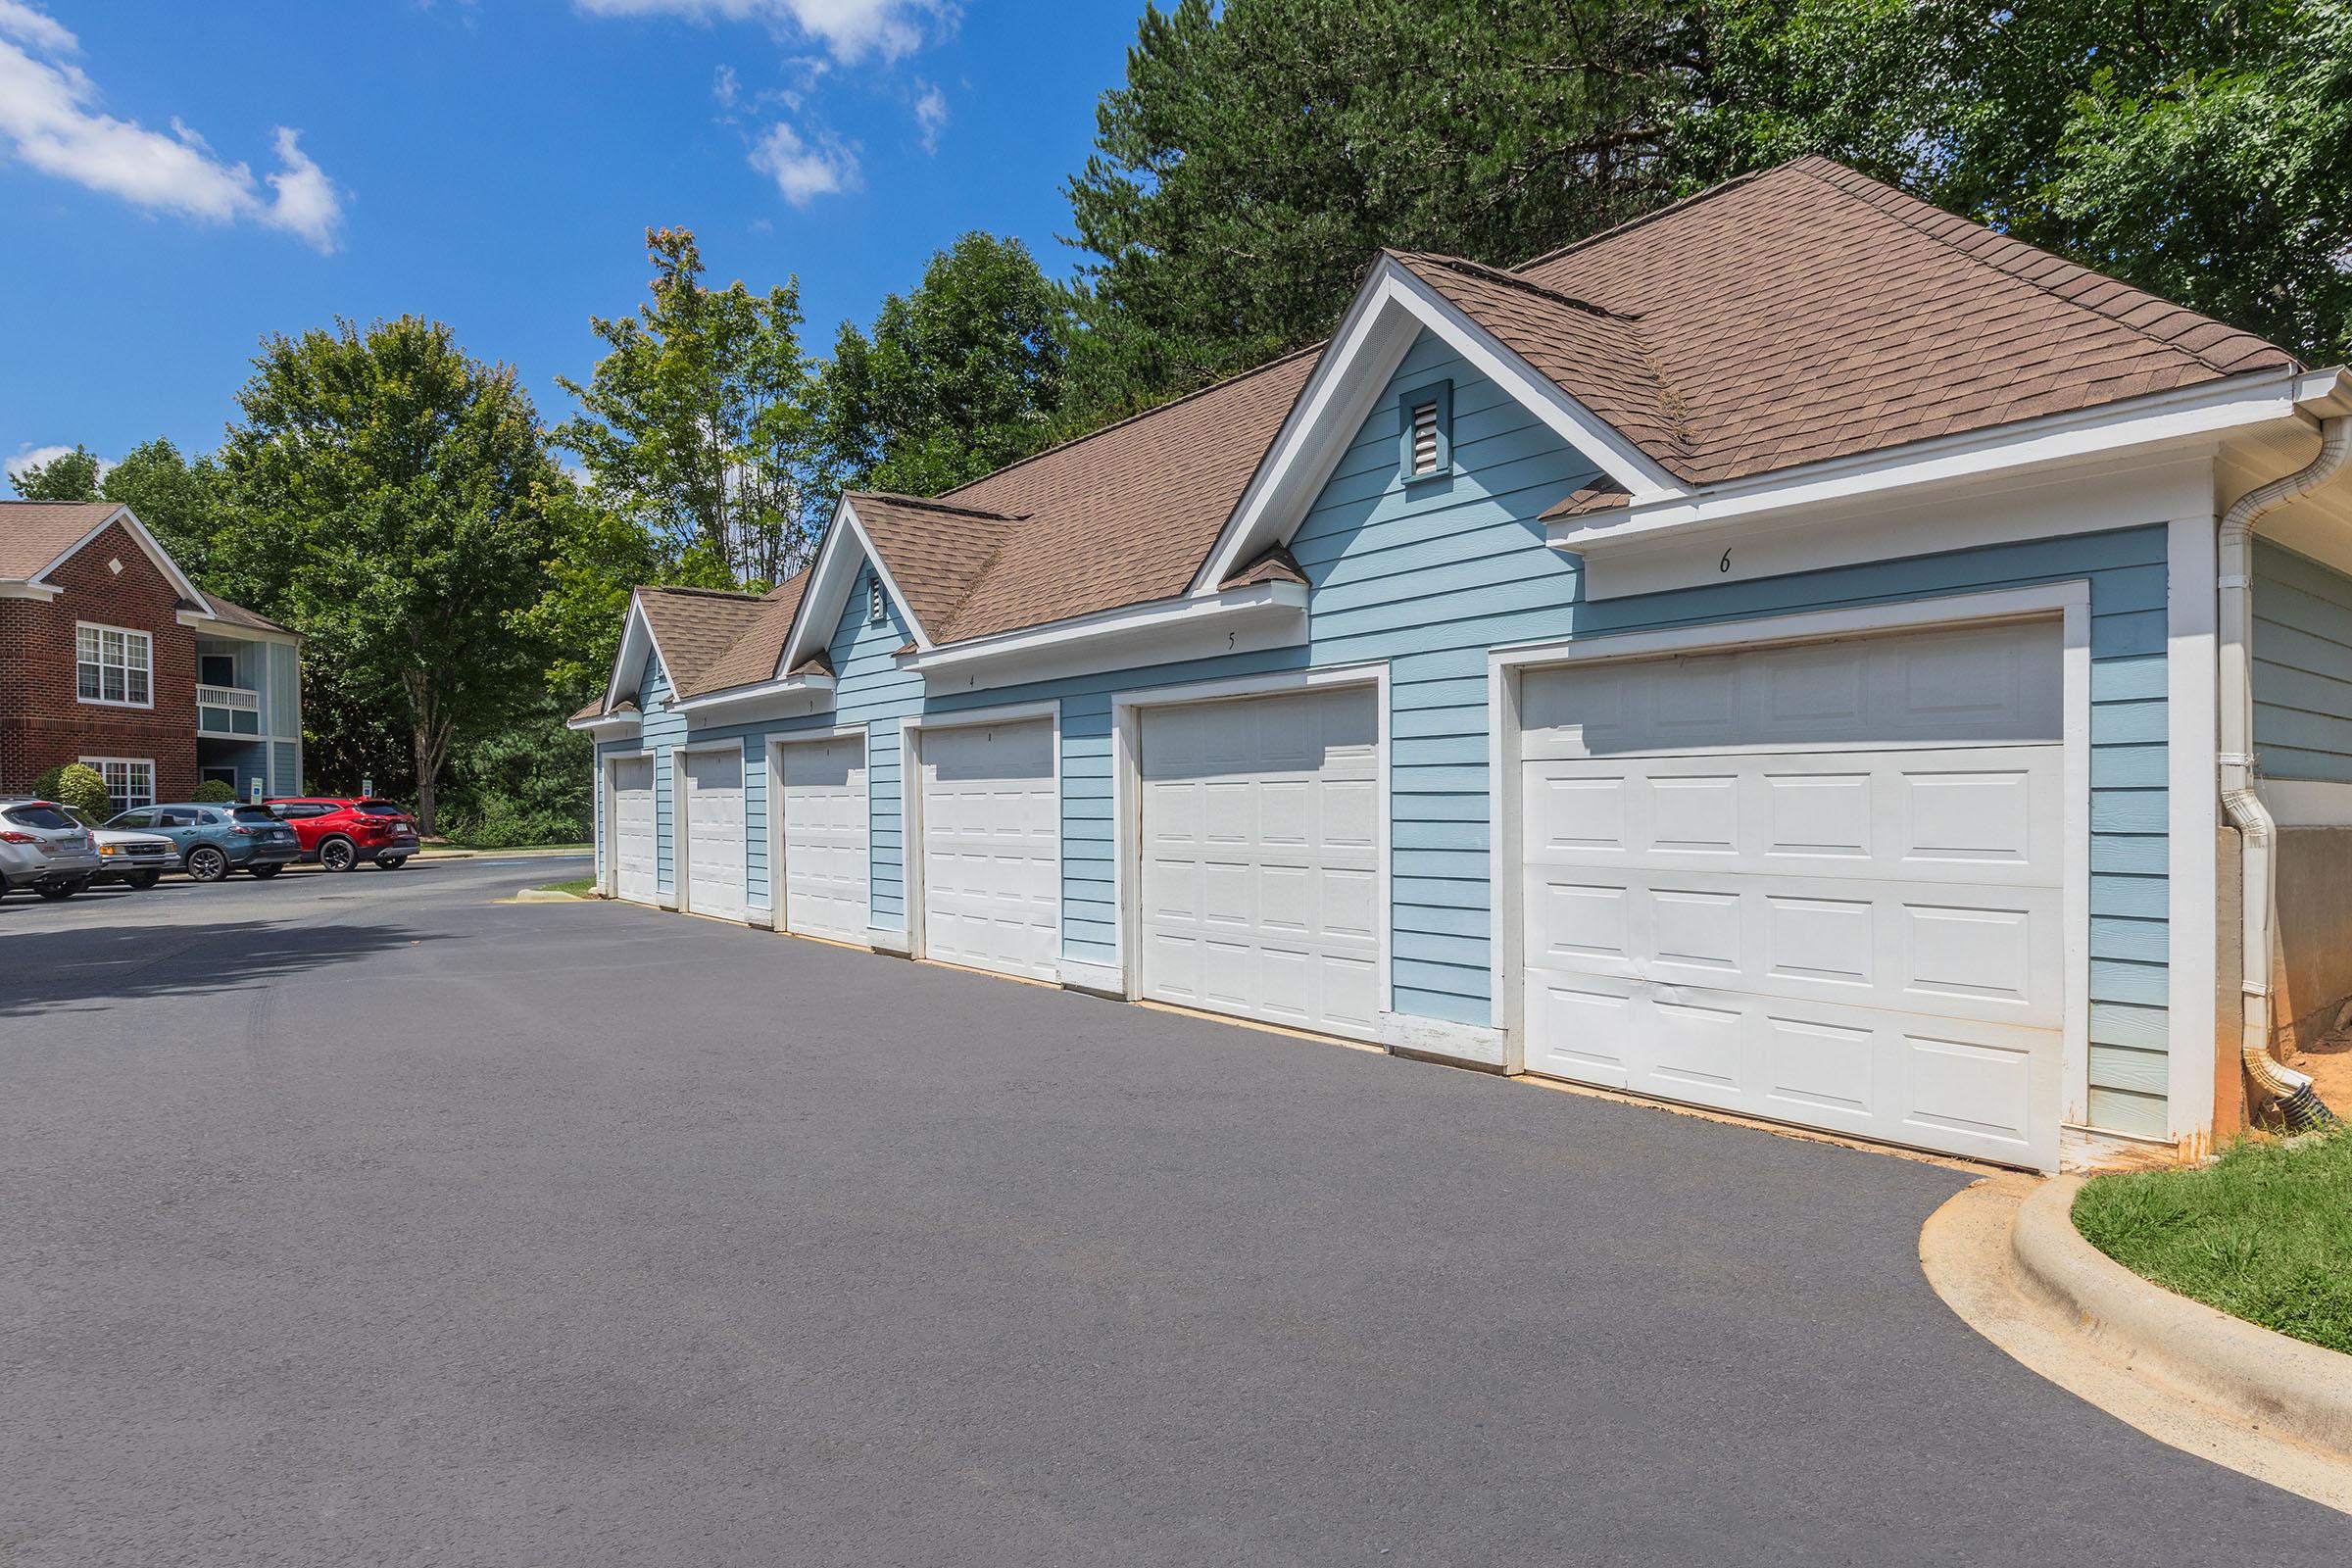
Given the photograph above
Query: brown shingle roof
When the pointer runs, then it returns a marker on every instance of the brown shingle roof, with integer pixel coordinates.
(1798, 315)
(1124, 516)
(936, 551)
(33, 533)
(1277, 565)
(752, 656)
(1810, 313)
(693, 628)
(234, 615)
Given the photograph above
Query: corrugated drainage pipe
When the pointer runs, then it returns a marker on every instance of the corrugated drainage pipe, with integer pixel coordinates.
(2302, 1110)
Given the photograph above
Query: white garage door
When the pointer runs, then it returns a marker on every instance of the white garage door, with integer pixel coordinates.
(715, 862)
(1820, 884)
(1260, 888)
(635, 874)
(825, 857)
(991, 848)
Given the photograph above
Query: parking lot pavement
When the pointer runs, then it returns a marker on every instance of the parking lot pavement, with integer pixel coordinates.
(369, 1219)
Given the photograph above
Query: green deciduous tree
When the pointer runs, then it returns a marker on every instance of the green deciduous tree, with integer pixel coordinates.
(962, 375)
(67, 476)
(698, 421)
(395, 499)
(182, 503)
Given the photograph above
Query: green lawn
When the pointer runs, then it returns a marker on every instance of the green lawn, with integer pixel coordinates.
(2264, 1233)
(582, 885)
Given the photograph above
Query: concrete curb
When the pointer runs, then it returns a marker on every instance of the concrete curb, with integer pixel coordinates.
(2292, 1388)
(557, 853)
(546, 895)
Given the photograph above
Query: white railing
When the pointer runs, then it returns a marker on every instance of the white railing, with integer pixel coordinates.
(236, 697)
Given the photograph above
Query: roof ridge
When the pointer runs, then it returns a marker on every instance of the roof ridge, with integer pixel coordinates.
(1196, 393)
(697, 593)
(1720, 188)
(932, 503)
(1508, 279)
(1925, 219)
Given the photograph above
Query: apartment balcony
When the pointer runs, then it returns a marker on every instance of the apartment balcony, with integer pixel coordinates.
(227, 711)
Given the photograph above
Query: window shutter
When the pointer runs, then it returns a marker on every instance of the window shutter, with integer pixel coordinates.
(1424, 437)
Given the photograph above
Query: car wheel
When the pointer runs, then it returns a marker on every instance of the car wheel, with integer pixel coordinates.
(207, 864)
(53, 891)
(392, 862)
(264, 873)
(337, 854)
(143, 880)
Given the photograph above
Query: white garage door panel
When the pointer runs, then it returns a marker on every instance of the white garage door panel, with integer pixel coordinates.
(1260, 890)
(826, 860)
(991, 848)
(715, 862)
(636, 876)
(1862, 931)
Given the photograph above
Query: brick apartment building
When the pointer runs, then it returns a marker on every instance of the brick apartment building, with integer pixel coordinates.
(111, 656)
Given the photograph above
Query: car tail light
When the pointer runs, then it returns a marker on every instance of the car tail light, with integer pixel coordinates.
(11, 836)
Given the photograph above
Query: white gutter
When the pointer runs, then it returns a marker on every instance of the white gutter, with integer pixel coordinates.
(782, 692)
(2292, 1089)
(1177, 627)
(2208, 409)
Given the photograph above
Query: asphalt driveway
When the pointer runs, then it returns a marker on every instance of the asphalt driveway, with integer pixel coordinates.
(366, 1219)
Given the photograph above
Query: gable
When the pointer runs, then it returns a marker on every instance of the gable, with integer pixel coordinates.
(1385, 553)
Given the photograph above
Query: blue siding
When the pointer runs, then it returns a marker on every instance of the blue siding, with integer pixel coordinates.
(2302, 667)
(1427, 579)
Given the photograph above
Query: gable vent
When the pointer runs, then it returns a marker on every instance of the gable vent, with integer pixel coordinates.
(1425, 431)
(1424, 437)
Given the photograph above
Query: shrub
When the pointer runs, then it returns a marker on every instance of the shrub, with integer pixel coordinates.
(502, 823)
(78, 785)
(212, 792)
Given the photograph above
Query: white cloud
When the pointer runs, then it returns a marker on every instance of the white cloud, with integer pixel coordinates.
(930, 115)
(849, 30)
(48, 113)
(802, 170)
(28, 26)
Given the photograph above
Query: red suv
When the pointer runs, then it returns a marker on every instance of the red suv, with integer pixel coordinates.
(340, 834)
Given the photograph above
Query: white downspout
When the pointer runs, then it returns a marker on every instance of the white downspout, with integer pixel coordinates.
(2292, 1089)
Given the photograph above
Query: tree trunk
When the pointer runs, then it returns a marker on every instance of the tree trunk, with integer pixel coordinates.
(430, 734)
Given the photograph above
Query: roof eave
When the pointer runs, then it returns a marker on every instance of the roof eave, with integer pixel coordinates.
(2203, 412)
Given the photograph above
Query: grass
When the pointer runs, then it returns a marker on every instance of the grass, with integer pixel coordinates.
(2263, 1233)
(581, 885)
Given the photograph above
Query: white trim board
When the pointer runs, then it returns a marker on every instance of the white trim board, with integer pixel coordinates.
(1127, 708)
(1234, 620)
(2192, 806)
(2085, 498)
(2069, 601)
(2199, 415)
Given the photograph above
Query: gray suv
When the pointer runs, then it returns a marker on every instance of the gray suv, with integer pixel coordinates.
(43, 849)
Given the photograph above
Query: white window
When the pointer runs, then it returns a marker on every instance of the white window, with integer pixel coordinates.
(112, 665)
(129, 780)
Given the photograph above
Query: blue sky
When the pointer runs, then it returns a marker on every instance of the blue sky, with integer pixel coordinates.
(178, 179)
